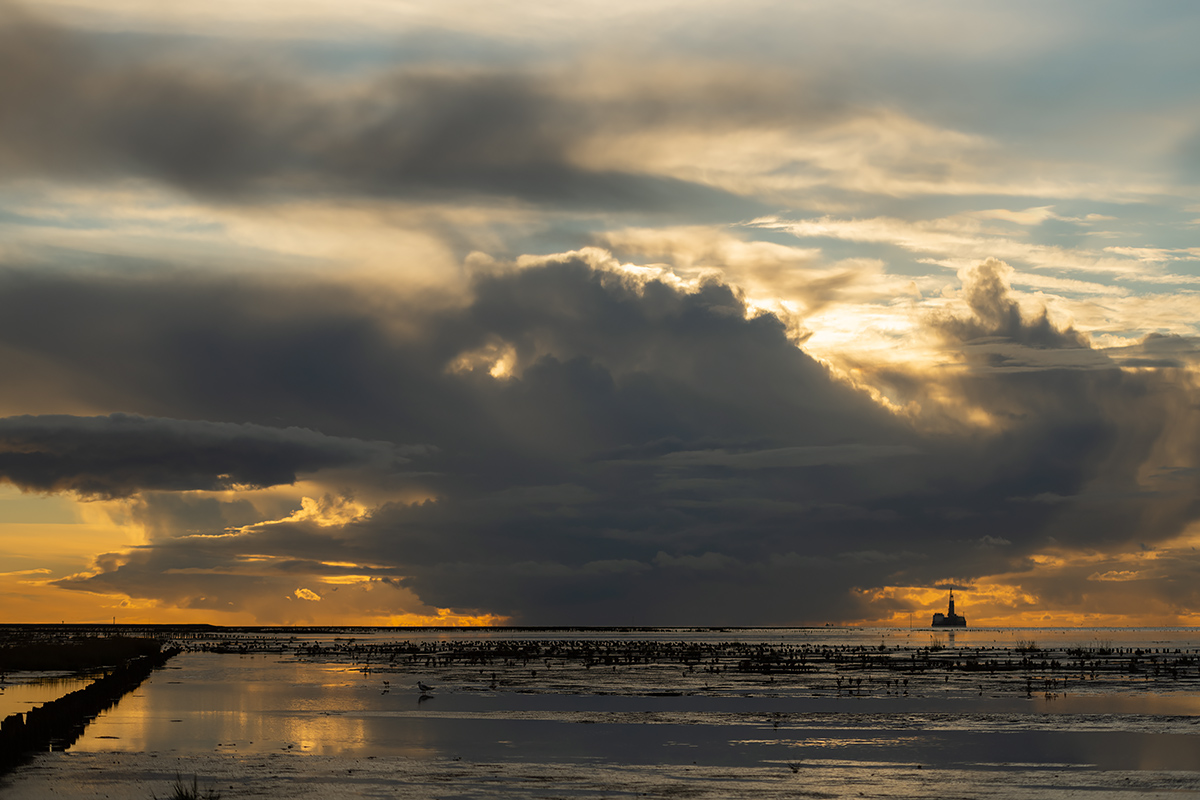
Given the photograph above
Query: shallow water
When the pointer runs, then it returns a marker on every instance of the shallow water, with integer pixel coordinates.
(208, 702)
(21, 691)
(287, 723)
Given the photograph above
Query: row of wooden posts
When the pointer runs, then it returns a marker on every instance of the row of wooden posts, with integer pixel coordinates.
(58, 723)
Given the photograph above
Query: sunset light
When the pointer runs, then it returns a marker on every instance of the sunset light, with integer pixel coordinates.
(403, 313)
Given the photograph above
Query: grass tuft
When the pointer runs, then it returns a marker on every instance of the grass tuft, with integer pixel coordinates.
(181, 791)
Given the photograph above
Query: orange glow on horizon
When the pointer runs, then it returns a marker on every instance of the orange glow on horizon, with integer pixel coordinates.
(445, 618)
(1004, 605)
(30, 604)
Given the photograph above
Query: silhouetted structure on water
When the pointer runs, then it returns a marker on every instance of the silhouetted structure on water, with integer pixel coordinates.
(949, 619)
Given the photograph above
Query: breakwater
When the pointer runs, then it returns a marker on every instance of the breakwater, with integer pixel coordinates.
(58, 723)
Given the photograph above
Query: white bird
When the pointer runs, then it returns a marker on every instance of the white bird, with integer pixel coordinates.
(423, 687)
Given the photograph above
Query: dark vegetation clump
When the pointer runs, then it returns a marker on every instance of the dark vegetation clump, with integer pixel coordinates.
(181, 791)
(78, 653)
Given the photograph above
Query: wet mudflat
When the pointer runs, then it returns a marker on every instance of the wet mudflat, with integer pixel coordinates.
(313, 777)
(714, 715)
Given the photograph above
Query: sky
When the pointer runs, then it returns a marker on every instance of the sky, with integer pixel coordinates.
(599, 313)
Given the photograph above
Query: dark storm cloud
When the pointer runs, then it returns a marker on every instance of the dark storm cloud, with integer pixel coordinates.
(1095, 446)
(785, 456)
(655, 456)
(74, 111)
(119, 455)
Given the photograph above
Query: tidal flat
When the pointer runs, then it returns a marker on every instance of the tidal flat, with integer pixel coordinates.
(350, 713)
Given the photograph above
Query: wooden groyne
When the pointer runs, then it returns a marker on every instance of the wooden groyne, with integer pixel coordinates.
(59, 723)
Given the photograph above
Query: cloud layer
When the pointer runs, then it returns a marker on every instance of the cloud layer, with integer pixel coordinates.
(417, 133)
(120, 455)
(647, 452)
(631, 314)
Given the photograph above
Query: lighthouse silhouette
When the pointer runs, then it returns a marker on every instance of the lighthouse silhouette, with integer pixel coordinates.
(949, 619)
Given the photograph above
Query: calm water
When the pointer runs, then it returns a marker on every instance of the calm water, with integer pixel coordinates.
(270, 703)
(21, 691)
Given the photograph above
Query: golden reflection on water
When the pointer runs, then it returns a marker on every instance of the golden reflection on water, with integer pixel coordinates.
(265, 707)
(19, 693)
(233, 705)
(144, 725)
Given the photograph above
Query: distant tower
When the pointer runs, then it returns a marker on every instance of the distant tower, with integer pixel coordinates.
(949, 619)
